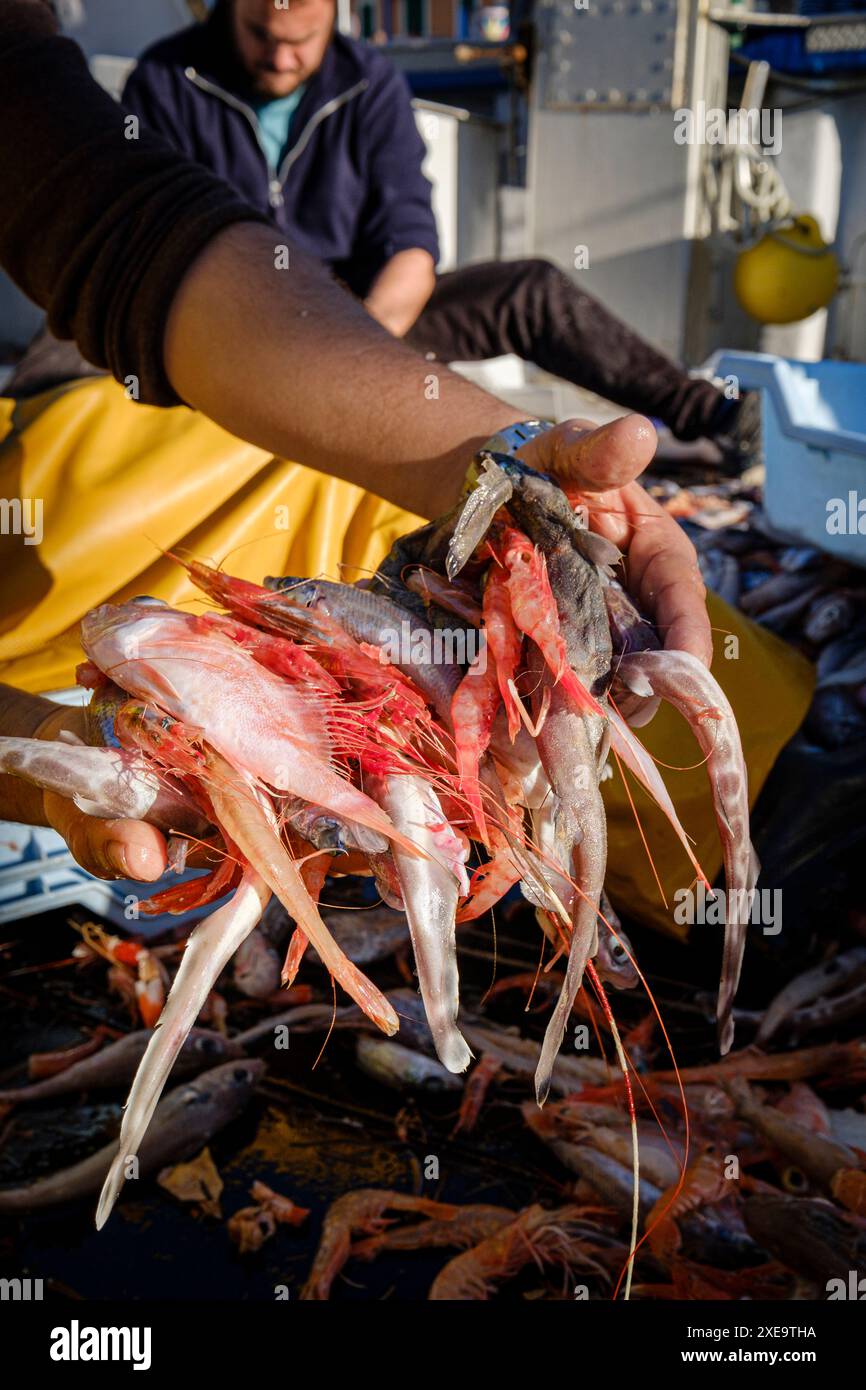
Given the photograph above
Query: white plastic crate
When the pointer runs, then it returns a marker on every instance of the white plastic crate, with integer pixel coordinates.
(814, 421)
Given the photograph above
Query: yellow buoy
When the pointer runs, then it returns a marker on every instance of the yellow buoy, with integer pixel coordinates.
(788, 274)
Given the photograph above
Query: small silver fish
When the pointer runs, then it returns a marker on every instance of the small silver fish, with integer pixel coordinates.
(398, 1067)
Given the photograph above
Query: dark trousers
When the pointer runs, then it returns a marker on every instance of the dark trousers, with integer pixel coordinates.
(533, 309)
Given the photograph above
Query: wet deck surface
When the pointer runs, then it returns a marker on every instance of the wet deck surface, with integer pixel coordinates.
(313, 1131)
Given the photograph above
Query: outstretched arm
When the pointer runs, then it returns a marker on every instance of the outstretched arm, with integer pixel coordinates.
(158, 271)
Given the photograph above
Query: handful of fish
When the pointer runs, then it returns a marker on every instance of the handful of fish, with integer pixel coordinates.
(463, 701)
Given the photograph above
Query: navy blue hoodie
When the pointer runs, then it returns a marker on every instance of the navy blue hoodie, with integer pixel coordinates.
(350, 189)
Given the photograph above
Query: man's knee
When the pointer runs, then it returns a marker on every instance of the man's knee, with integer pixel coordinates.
(537, 270)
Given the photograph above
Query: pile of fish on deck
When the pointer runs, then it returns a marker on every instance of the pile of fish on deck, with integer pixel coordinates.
(309, 720)
(765, 1198)
(814, 602)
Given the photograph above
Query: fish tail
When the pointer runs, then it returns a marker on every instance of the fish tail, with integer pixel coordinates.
(211, 945)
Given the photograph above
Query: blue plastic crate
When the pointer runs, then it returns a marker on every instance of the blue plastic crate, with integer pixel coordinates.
(814, 427)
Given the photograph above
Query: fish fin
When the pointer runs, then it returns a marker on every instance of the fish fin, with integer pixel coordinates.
(361, 837)
(595, 548)
(67, 736)
(161, 683)
(88, 807)
(637, 682)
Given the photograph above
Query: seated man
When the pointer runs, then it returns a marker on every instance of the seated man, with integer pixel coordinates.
(317, 131)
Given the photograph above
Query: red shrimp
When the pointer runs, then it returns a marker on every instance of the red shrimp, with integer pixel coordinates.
(148, 985)
(504, 641)
(473, 709)
(534, 611)
(344, 659)
(278, 654)
(704, 1183)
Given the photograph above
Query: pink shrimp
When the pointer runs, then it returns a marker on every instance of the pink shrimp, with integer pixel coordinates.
(473, 709)
(504, 641)
(489, 884)
(533, 1236)
(251, 823)
(356, 1213)
(196, 892)
(248, 821)
(314, 871)
(347, 661)
(534, 611)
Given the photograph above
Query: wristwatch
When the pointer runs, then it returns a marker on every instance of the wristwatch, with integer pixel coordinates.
(513, 437)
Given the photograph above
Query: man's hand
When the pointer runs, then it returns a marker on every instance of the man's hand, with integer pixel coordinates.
(106, 848)
(599, 466)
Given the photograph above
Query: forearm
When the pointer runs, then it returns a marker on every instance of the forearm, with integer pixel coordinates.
(401, 289)
(287, 360)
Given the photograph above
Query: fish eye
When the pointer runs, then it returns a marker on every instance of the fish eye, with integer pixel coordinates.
(240, 1074)
(794, 1180)
(208, 1046)
(618, 951)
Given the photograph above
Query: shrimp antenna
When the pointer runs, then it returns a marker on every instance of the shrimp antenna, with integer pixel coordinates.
(635, 1147)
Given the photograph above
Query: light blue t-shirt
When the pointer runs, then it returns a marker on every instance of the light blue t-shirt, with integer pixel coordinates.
(275, 118)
